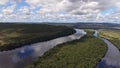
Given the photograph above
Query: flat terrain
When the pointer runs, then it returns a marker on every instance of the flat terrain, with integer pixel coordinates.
(17, 35)
(90, 25)
(111, 35)
(83, 53)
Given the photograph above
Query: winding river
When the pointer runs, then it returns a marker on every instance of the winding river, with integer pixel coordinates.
(111, 58)
(20, 57)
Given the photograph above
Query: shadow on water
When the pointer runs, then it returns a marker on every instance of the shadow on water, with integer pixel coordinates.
(103, 64)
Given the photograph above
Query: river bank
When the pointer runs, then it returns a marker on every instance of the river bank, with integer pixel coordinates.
(20, 57)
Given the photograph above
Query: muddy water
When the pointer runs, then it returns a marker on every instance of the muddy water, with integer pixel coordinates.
(20, 57)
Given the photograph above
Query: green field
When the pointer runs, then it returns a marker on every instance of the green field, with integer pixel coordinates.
(17, 35)
(83, 53)
(111, 35)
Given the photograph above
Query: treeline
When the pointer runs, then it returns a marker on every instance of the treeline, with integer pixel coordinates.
(30, 33)
(91, 25)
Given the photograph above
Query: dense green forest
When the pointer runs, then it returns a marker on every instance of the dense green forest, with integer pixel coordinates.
(17, 35)
(83, 53)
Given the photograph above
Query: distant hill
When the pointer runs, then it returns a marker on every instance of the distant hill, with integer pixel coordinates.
(90, 25)
(85, 25)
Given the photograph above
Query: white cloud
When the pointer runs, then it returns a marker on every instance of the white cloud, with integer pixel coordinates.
(73, 10)
(72, 6)
(3, 2)
(88, 8)
(9, 10)
(24, 10)
(33, 3)
(47, 6)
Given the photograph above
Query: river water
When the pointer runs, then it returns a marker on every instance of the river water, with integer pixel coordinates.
(111, 58)
(20, 57)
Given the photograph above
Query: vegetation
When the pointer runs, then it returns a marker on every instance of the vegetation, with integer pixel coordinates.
(90, 25)
(17, 35)
(111, 35)
(83, 53)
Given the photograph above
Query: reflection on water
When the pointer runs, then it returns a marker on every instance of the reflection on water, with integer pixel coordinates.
(20, 57)
(96, 33)
(103, 64)
(112, 57)
(25, 52)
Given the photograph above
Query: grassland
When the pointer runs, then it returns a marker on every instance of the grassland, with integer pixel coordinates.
(17, 35)
(111, 35)
(83, 53)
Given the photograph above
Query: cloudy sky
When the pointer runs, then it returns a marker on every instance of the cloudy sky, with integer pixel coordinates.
(60, 11)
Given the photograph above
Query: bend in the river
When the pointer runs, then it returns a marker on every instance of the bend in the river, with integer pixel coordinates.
(111, 58)
(20, 57)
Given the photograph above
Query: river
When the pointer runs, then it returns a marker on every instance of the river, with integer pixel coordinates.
(20, 57)
(112, 57)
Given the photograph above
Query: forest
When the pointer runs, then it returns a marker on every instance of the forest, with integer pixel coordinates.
(17, 35)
